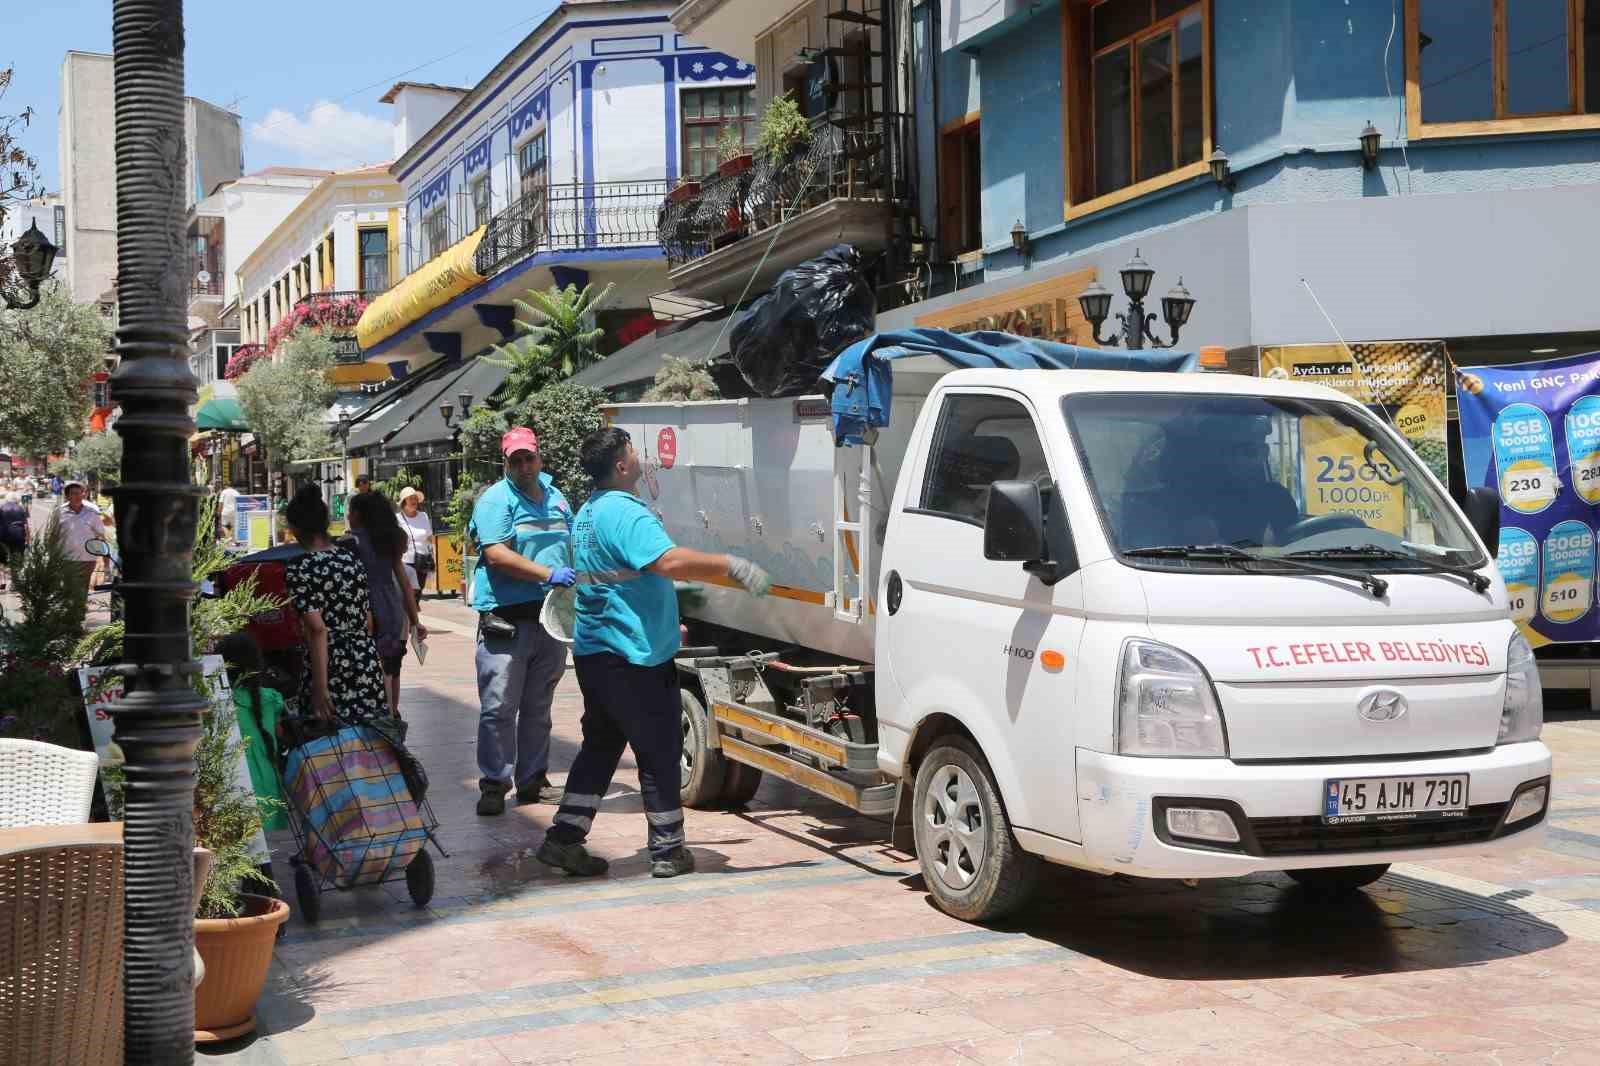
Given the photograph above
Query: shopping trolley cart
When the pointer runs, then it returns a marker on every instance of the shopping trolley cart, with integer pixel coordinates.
(358, 806)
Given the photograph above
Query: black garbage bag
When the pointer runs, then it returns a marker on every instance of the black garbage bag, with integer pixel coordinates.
(788, 337)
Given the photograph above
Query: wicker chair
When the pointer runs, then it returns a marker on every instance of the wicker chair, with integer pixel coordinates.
(42, 784)
(61, 970)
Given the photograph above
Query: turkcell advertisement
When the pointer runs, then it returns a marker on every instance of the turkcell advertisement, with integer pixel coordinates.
(1531, 432)
(1405, 382)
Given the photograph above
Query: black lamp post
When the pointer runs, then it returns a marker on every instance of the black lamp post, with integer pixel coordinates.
(31, 258)
(157, 719)
(1176, 307)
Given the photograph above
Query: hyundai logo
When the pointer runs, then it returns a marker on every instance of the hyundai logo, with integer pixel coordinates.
(1384, 705)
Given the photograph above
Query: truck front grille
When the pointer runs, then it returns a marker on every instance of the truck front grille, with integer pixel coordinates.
(1308, 836)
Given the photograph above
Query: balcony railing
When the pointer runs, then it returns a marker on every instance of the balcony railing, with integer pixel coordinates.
(850, 157)
(577, 217)
(207, 267)
(339, 295)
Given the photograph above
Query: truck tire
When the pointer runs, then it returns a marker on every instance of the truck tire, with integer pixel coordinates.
(971, 863)
(1338, 880)
(740, 785)
(702, 770)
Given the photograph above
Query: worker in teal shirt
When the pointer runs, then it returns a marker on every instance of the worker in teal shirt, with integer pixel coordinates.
(623, 642)
(521, 524)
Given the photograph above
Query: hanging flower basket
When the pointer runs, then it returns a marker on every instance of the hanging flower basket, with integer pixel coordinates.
(685, 190)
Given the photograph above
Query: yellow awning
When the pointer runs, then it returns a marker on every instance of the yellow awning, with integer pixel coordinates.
(357, 373)
(433, 285)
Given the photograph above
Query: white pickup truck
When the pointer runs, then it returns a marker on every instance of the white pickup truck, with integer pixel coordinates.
(1103, 619)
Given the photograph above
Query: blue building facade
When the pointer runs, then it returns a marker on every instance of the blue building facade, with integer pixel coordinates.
(1468, 226)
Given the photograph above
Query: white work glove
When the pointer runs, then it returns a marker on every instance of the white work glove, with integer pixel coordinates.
(755, 580)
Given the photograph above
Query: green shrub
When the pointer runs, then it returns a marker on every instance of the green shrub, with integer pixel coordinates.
(679, 379)
(562, 416)
(783, 127)
(38, 698)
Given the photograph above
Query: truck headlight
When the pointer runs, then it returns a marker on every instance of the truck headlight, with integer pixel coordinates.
(1166, 705)
(1522, 717)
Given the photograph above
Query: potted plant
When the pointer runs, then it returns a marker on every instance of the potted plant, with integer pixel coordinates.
(732, 159)
(457, 516)
(234, 929)
(783, 129)
(686, 189)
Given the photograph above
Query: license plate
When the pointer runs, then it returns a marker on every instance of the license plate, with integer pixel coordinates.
(1394, 799)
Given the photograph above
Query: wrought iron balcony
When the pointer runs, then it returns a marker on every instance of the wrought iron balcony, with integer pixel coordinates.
(850, 157)
(575, 217)
(339, 295)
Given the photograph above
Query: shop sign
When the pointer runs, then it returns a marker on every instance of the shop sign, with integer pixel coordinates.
(346, 349)
(1531, 432)
(1047, 310)
(1404, 381)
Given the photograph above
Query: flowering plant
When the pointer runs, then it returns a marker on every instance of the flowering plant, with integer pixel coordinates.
(244, 357)
(317, 312)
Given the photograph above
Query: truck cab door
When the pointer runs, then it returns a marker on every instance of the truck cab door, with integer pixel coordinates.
(981, 640)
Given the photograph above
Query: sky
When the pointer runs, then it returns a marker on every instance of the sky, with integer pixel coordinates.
(305, 76)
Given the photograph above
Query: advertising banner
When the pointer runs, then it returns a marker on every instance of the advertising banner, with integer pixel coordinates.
(1405, 382)
(1531, 432)
(253, 522)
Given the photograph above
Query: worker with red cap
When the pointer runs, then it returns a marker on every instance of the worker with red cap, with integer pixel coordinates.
(521, 524)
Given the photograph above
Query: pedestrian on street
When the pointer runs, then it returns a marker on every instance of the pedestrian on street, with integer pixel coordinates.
(228, 508)
(623, 644)
(80, 523)
(377, 540)
(522, 523)
(419, 539)
(13, 535)
(328, 586)
(363, 483)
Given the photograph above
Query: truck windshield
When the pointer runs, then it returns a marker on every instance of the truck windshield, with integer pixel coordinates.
(1288, 478)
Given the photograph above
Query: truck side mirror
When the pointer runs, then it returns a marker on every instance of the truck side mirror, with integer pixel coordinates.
(1013, 525)
(1483, 511)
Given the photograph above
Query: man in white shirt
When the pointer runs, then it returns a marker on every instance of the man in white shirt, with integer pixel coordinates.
(80, 522)
(227, 503)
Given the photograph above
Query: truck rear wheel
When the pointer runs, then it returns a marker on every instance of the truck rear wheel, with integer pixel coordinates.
(702, 769)
(971, 862)
(740, 785)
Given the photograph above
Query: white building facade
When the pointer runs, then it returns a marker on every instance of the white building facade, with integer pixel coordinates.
(552, 170)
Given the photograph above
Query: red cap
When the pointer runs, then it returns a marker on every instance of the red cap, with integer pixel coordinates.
(520, 439)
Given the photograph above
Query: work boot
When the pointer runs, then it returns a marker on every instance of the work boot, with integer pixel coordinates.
(539, 790)
(573, 858)
(679, 860)
(492, 797)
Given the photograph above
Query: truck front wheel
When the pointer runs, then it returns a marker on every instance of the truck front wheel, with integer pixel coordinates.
(971, 862)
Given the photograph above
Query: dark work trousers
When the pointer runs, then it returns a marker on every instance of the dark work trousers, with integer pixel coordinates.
(625, 705)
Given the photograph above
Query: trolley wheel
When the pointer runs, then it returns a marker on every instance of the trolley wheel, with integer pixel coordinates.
(307, 893)
(740, 785)
(419, 877)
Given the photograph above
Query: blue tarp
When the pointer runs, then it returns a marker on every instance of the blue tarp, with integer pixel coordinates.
(864, 382)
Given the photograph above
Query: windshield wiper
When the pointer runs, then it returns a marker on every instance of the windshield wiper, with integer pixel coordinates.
(1478, 582)
(1220, 552)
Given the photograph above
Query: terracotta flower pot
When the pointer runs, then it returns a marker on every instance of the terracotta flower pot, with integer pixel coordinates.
(732, 168)
(237, 954)
(684, 191)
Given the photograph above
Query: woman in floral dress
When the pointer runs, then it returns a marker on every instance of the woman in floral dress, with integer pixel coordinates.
(328, 586)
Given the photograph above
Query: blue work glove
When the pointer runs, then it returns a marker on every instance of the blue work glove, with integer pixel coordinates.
(562, 577)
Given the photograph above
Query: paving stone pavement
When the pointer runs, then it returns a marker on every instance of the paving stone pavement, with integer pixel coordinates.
(804, 937)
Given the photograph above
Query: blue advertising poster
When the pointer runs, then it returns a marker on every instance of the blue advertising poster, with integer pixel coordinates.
(1531, 432)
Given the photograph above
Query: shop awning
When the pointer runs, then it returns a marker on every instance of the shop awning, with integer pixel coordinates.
(222, 413)
(432, 285)
(639, 361)
(358, 373)
(479, 377)
(398, 405)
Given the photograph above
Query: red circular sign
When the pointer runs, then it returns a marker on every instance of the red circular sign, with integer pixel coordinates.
(667, 448)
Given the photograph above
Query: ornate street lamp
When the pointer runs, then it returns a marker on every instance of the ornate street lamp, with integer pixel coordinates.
(1370, 138)
(1134, 330)
(31, 258)
(157, 718)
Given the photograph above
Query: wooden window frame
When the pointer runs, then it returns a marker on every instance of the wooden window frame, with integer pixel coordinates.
(481, 212)
(1077, 110)
(1549, 122)
(539, 167)
(952, 168)
(435, 247)
(685, 124)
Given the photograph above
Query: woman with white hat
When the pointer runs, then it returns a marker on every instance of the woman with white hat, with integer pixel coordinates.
(419, 533)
